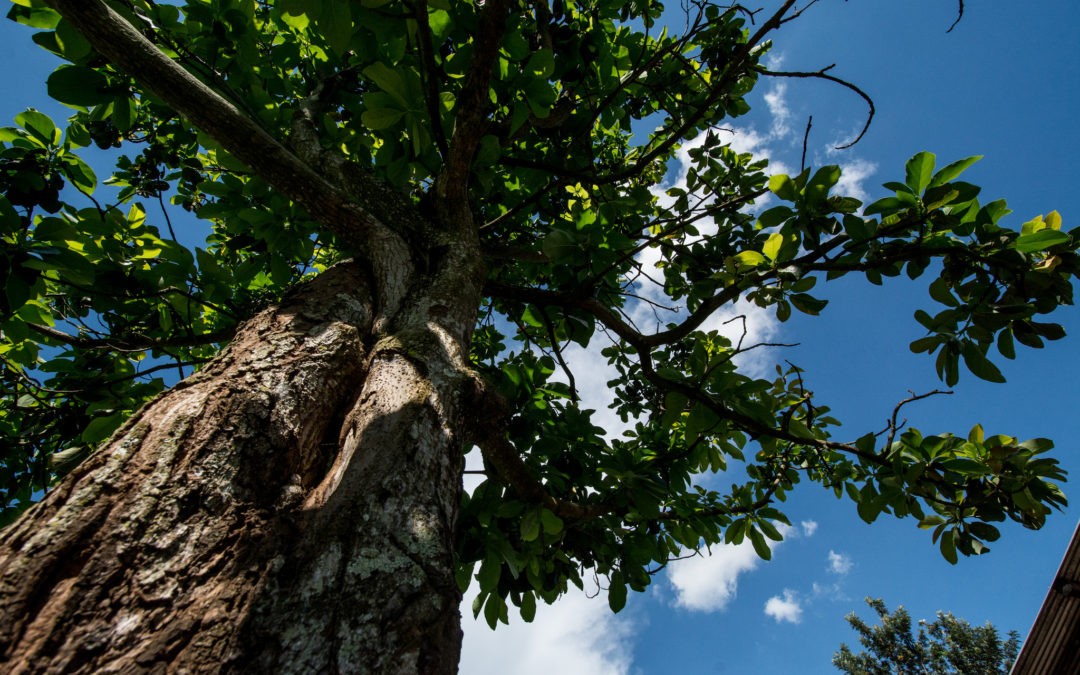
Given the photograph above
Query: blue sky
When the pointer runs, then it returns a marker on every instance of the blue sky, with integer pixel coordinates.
(1004, 84)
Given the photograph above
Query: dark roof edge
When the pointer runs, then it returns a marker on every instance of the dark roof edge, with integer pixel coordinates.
(1050, 646)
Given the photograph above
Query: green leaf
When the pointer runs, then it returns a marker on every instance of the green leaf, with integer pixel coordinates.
(1005, 344)
(807, 304)
(79, 173)
(978, 364)
(951, 171)
(772, 246)
(560, 244)
(463, 576)
(79, 86)
(39, 125)
(617, 592)
(940, 291)
(335, 23)
(540, 96)
(541, 64)
(101, 428)
(749, 259)
(775, 216)
(488, 576)
(1040, 240)
(919, 171)
(530, 526)
(495, 611)
(528, 606)
(770, 531)
(984, 531)
(390, 81)
(927, 344)
(73, 46)
(761, 547)
(551, 522)
(35, 17)
(381, 118)
(822, 181)
(948, 546)
(885, 206)
(674, 405)
(783, 187)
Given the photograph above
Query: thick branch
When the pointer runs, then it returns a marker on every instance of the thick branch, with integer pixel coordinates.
(472, 105)
(127, 49)
(133, 343)
(501, 455)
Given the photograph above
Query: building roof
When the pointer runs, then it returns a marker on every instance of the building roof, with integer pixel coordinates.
(1053, 645)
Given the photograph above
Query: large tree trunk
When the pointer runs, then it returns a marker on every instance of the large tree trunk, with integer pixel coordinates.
(290, 508)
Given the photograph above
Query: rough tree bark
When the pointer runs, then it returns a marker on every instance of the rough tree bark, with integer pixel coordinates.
(289, 508)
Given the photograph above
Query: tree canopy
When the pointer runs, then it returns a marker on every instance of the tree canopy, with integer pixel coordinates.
(945, 645)
(304, 132)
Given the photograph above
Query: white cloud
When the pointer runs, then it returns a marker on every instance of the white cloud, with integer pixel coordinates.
(576, 635)
(784, 608)
(776, 100)
(839, 563)
(809, 527)
(834, 591)
(708, 582)
(853, 175)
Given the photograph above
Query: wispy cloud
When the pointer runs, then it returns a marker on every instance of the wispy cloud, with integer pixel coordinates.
(784, 608)
(776, 101)
(839, 563)
(809, 527)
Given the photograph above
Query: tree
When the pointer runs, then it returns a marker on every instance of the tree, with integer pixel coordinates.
(390, 188)
(947, 645)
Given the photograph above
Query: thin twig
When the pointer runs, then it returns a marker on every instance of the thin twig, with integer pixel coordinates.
(553, 339)
(805, 139)
(894, 426)
(959, 15)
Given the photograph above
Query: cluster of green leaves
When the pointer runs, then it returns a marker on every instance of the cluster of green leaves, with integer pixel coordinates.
(695, 412)
(568, 191)
(71, 277)
(947, 645)
(578, 268)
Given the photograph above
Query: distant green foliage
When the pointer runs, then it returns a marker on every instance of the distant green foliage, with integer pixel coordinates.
(947, 646)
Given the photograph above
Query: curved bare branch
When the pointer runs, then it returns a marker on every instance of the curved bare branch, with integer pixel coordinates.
(824, 75)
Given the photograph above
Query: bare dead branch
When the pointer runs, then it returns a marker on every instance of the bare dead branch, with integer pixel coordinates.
(894, 426)
(824, 75)
(959, 15)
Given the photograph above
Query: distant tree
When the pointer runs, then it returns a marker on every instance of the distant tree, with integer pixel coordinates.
(947, 645)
